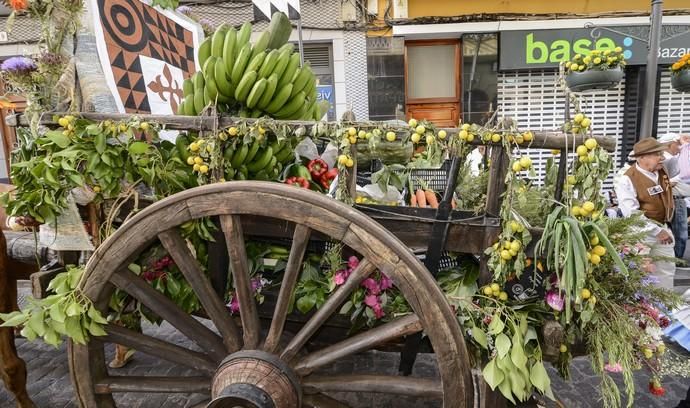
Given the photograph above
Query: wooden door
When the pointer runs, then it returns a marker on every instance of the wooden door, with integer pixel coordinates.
(432, 81)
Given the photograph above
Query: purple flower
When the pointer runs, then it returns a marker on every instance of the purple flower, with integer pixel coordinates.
(555, 300)
(207, 25)
(19, 65)
(257, 283)
(632, 265)
(378, 311)
(184, 10)
(649, 280)
(613, 368)
(234, 305)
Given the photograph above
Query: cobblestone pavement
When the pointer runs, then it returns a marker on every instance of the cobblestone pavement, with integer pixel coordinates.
(50, 386)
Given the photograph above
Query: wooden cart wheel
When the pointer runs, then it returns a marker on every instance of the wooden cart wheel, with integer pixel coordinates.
(236, 364)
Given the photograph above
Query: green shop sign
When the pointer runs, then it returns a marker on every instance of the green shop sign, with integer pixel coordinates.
(547, 48)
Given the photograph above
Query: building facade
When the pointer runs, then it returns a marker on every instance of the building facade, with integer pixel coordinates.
(476, 57)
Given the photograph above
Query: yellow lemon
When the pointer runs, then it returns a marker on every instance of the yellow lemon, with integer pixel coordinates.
(463, 134)
(595, 259)
(442, 134)
(590, 143)
(572, 179)
(420, 130)
(581, 150)
(194, 147)
(196, 167)
(390, 136)
(576, 211)
(362, 134)
(495, 138)
(144, 126)
(495, 293)
(367, 136)
(412, 123)
(515, 245)
(203, 169)
(415, 138)
(648, 353)
(430, 140)
(96, 189)
(528, 136)
(495, 287)
(525, 162)
(465, 126)
(198, 160)
(63, 122)
(470, 137)
(190, 160)
(563, 348)
(517, 167)
(593, 300)
(351, 131)
(578, 118)
(585, 294)
(350, 162)
(505, 254)
(223, 136)
(233, 131)
(519, 139)
(588, 206)
(599, 250)
(593, 240)
(209, 148)
(586, 122)
(503, 296)
(487, 291)
(342, 159)
(352, 139)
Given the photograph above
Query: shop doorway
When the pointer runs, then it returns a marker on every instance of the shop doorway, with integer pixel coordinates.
(432, 81)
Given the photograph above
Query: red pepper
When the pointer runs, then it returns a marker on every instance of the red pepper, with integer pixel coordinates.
(328, 177)
(297, 181)
(317, 168)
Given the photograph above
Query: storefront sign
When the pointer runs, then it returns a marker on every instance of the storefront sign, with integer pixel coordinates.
(547, 48)
(325, 93)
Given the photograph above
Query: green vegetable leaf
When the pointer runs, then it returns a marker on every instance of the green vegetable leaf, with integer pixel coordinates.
(138, 147)
(58, 138)
(306, 303)
(492, 374)
(502, 345)
(496, 326)
(479, 336)
(539, 377)
(13, 319)
(99, 143)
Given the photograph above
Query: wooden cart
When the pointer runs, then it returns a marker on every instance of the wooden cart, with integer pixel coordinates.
(267, 357)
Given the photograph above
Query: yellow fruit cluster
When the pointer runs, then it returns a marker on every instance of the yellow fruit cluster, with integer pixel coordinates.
(583, 151)
(587, 209)
(682, 63)
(594, 255)
(524, 163)
(519, 138)
(466, 133)
(346, 160)
(195, 160)
(67, 122)
(516, 227)
(494, 290)
(508, 250)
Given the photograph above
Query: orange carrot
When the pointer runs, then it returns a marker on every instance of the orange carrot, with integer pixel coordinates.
(421, 199)
(413, 200)
(431, 198)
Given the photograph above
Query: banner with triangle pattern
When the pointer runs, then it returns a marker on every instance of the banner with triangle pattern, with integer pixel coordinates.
(145, 54)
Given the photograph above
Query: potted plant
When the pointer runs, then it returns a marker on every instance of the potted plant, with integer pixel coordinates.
(601, 69)
(680, 79)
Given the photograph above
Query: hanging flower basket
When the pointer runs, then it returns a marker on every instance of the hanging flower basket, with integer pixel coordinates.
(601, 69)
(681, 81)
(594, 79)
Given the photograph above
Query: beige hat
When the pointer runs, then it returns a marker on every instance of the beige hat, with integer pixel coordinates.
(648, 145)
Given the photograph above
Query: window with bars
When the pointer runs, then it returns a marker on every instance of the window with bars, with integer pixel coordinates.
(536, 101)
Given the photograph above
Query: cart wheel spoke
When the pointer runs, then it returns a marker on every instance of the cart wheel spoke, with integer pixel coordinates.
(234, 239)
(361, 272)
(384, 384)
(213, 305)
(322, 401)
(358, 343)
(300, 239)
(159, 348)
(185, 385)
(169, 311)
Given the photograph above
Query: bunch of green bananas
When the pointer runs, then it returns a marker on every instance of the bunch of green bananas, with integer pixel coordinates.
(256, 160)
(252, 80)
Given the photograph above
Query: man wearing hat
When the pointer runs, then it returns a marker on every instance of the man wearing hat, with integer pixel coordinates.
(645, 187)
(679, 224)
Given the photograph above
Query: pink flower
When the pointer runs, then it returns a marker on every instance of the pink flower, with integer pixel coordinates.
(555, 300)
(352, 262)
(378, 311)
(341, 276)
(648, 266)
(386, 282)
(372, 286)
(234, 305)
(613, 368)
(371, 300)
(625, 250)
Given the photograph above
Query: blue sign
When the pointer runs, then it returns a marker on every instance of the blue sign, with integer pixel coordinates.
(325, 93)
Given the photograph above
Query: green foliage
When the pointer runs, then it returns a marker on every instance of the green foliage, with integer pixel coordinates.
(471, 190)
(68, 312)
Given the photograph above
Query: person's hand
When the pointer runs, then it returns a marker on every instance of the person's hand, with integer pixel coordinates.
(664, 237)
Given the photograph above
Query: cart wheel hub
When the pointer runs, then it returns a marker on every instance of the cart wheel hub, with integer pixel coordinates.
(254, 379)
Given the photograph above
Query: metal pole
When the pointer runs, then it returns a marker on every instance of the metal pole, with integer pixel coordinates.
(301, 47)
(649, 94)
